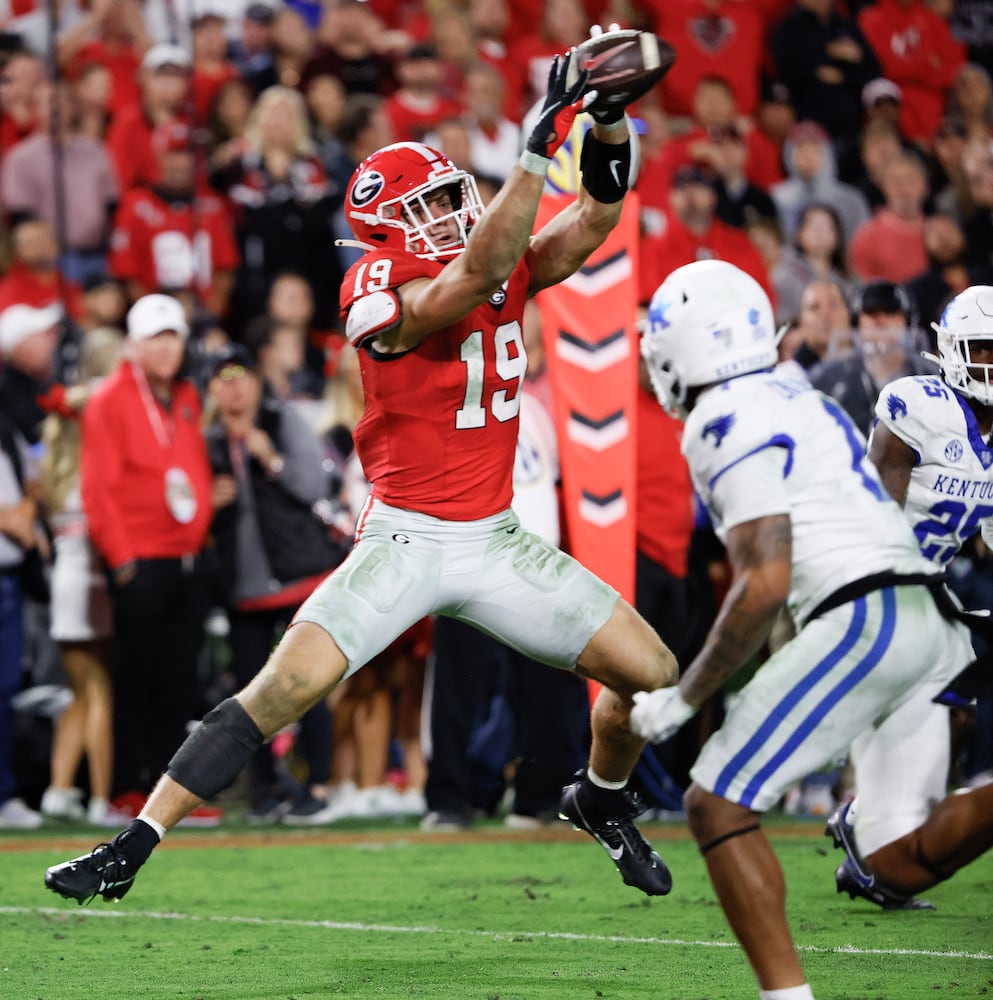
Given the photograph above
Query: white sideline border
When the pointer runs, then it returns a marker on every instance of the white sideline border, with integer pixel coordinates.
(336, 925)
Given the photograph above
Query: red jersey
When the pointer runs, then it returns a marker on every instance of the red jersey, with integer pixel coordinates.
(411, 122)
(726, 42)
(438, 434)
(129, 142)
(122, 62)
(206, 84)
(21, 285)
(677, 245)
(13, 131)
(762, 165)
(917, 51)
(123, 468)
(172, 244)
(664, 513)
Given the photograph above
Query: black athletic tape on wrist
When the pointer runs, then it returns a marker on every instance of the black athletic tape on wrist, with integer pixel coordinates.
(605, 168)
(717, 841)
(213, 755)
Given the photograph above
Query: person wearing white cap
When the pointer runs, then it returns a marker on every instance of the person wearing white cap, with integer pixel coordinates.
(146, 486)
(883, 100)
(165, 79)
(29, 337)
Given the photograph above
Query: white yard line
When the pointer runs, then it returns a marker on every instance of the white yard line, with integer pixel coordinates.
(337, 925)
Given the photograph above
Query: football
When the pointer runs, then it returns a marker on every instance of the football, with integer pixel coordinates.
(623, 65)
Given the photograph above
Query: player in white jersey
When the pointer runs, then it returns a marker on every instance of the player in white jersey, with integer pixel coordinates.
(806, 524)
(933, 446)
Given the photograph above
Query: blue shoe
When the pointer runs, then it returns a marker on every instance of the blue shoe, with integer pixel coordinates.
(852, 875)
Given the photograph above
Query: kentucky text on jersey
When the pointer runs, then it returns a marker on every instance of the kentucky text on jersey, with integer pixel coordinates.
(971, 489)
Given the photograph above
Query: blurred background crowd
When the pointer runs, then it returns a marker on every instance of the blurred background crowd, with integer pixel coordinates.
(840, 152)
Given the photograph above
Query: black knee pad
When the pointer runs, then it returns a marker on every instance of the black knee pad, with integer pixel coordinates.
(213, 755)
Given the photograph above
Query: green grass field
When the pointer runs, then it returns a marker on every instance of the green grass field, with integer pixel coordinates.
(392, 912)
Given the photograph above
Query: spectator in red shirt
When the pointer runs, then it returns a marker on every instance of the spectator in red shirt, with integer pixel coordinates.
(19, 80)
(890, 245)
(714, 107)
(563, 25)
(692, 232)
(33, 277)
(664, 519)
(918, 53)
(417, 105)
(490, 20)
(29, 174)
(169, 236)
(348, 47)
(146, 485)
(165, 92)
(655, 172)
(713, 38)
(111, 35)
(211, 69)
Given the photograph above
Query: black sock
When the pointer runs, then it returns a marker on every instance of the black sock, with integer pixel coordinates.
(137, 842)
(606, 799)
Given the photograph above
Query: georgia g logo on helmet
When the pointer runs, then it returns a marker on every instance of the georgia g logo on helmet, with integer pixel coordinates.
(367, 187)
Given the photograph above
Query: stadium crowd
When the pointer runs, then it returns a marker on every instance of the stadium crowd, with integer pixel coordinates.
(192, 157)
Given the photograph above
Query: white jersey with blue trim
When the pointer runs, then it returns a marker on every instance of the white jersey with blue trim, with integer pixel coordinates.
(762, 444)
(950, 493)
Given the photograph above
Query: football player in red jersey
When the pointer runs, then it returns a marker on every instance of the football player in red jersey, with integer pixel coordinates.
(435, 308)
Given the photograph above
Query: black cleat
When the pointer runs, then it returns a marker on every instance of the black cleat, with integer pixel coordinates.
(105, 871)
(634, 857)
(852, 875)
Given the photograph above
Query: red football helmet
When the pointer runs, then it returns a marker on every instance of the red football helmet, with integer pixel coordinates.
(388, 195)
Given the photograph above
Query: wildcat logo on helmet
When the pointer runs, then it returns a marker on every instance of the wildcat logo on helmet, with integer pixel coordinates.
(367, 187)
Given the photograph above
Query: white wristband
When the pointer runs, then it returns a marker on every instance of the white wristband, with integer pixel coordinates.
(533, 163)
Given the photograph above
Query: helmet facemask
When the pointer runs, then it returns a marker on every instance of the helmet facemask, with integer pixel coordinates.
(955, 359)
(670, 390)
(418, 219)
(391, 201)
(966, 323)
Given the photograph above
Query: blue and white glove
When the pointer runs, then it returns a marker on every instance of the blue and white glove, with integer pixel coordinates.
(659, 714)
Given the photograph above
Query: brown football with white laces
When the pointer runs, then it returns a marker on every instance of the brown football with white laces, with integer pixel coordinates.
(623, 65)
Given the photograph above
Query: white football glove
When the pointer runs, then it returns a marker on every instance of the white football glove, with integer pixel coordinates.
(659, 714)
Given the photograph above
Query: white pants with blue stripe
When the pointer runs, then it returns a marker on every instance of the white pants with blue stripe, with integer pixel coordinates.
(844, 674)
